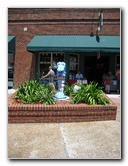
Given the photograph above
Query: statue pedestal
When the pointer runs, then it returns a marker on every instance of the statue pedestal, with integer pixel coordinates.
(60, 94)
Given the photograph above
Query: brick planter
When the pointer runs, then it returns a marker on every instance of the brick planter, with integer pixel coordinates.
(64, 112)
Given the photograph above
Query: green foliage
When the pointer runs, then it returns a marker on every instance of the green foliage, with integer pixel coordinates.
(33, 92)
(68, 90)
(90, 94)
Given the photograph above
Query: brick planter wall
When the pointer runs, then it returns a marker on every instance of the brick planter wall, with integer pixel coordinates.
(39, 113)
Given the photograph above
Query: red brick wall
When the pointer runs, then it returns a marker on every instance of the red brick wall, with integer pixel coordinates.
(54, 21)
(61, 13)
(58, 113)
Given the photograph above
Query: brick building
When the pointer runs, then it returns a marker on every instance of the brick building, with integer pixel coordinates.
(87, 39)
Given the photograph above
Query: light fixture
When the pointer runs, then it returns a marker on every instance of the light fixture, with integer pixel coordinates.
(98, 28)
(25, 29)
(100, 15)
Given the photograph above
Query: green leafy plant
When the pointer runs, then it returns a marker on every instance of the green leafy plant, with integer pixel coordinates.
(68, 90)
(90, 94)
(47, 95)
(33, 92)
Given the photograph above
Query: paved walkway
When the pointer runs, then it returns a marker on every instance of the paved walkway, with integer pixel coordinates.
(86, 140)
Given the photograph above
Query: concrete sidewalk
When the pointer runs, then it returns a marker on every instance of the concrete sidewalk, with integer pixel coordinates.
(86, 140)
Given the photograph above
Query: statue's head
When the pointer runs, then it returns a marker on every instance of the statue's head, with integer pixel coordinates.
(61, 68)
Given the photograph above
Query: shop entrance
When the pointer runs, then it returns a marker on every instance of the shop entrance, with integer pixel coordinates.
(95, 68)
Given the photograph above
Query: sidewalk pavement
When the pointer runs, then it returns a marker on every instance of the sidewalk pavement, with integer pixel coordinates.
(85, 140)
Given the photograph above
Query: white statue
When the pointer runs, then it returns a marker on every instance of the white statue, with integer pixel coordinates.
(61, 73)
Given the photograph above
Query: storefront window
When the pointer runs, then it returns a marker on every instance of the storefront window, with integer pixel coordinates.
(10, 65)
(57, 58)
(45, 62)
(74, 65)
(49, 59)
(10, 70)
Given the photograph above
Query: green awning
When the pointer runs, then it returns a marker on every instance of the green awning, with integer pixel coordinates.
(71, 43)
(11, 44)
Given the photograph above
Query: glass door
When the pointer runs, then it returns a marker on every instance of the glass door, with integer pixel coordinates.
(117, 61)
